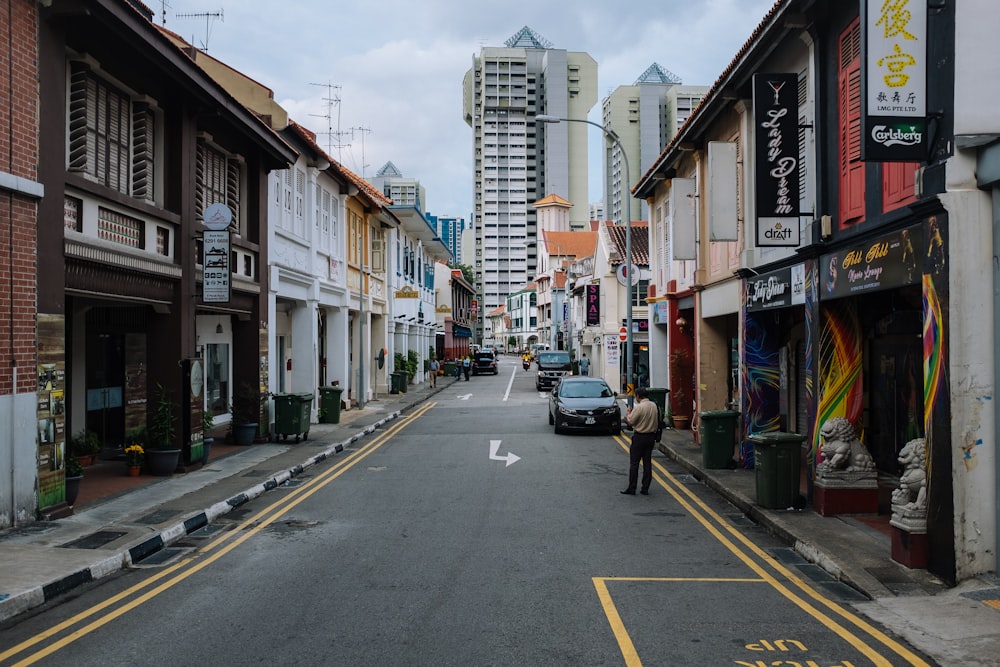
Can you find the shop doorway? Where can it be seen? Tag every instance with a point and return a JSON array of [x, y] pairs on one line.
[[105, 379]]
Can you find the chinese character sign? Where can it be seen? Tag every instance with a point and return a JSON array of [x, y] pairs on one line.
[[895, 76]]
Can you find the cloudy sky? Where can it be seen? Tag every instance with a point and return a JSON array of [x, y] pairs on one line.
[[397, 65]]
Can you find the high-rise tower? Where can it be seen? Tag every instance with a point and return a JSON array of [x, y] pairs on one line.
[[513, 167]]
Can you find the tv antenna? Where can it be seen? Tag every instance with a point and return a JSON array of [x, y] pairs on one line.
[[362, 131], [209, 17], [332, 98]]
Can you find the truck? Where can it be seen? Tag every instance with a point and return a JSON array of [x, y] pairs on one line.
[[553, 365]]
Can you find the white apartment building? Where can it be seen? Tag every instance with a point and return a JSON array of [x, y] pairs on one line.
[[645, 116], [515, 163]]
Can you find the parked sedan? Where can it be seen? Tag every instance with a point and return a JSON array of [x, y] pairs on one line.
[[484, 362], [584, 403]]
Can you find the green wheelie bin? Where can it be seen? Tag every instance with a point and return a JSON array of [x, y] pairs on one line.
[[292, 415], [777, 458], [718, 438], [329, 404]]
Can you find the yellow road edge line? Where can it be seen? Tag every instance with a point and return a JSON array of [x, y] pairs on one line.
[[284, 504], [875, 633], [825, 620]]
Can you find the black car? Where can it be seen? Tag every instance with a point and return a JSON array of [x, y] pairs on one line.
[[584, 403], [484, 362]]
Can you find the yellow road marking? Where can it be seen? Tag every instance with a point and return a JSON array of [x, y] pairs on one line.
[[274, 511], [675, 487]]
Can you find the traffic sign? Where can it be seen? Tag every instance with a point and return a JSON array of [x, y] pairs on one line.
[[623, 334]]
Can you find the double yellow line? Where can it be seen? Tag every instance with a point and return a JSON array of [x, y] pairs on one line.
[[137, 595], [754, 558]]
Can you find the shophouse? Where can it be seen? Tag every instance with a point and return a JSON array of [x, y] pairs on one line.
[[453, 318], [844, 179], [142, 155]]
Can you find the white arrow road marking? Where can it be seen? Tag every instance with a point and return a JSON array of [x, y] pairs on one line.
[[510, 458], [464, 397]]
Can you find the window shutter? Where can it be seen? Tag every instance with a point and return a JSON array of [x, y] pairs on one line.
[[852, 169], [199, 181], [233, 188], [142, 151], [898, 186], [77, 117]]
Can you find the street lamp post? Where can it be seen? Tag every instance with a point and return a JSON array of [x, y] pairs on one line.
[[610, 134]]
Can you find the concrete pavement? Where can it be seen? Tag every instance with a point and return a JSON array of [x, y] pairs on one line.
[[957, 626]]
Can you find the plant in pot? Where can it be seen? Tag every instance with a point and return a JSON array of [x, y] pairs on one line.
[[246, 410], [74, 474], [207, 424], [85, 446], [134, 456], [163, 453], [681, 372]]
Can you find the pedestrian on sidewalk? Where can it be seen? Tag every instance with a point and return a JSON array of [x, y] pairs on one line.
[[435, 367], [584, 365], [466, 367], [644, 420]]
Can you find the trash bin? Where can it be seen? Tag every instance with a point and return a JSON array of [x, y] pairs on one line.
[[777, 457], [329, 405], [449, 369], [292, 415], [399, 380], [718, 438], [658, 395]]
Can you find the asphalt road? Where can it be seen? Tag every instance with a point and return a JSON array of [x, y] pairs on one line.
[[429, 544]]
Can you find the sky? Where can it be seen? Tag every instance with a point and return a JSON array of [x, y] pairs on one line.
[[381, 80]]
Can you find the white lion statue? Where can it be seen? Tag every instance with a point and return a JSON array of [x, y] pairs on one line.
[[842, 450], [912, 491]]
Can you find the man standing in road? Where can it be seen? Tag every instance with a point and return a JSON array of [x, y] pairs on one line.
[[435, 367], [584, 365], [466, 367], [644, 420]]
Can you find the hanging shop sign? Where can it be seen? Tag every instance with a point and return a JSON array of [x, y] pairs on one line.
[[777, 289], [887, 262], [593, 305], [894, 58], [215, 264], [776, 136]]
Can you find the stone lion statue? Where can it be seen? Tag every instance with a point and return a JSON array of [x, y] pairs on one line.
[[841, 449], [912, 491]]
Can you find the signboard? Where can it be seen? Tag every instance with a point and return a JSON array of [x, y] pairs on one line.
[[894, 62], [623, 272], [215, 263], [623, 334], [777, 289], [776, 136], [217, 217], [611, 354], [593, 305], [887, 262]]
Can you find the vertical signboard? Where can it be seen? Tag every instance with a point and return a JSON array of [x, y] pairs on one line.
[[894, 57], [722, 205], [776, 140], [682, 218], [215, 262], [593, 305]]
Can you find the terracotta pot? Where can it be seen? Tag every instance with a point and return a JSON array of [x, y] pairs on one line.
[[133, 471], [681, 422]]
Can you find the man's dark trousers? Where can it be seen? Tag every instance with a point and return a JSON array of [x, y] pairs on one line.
[[641, 450]]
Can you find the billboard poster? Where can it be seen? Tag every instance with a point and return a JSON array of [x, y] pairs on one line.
[[894, 76], [884, 263], [215, 262], [776, 137]]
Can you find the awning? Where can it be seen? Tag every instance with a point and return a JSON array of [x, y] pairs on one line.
[[458, 331]]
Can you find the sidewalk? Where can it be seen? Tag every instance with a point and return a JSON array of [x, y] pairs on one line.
[[956, 626], [119, 520]]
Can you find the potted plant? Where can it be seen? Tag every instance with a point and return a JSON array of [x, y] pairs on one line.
[[207, 424], [163, 453], [85, 446], [74, 474], [246, 414], [134, 456]]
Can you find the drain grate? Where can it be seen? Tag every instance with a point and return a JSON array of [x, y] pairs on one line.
[[742, 521], [787, 555], [209, 530], [94, 540], [687, 479], [159, 516], [163, 556], [841, 592], [291, 483]]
